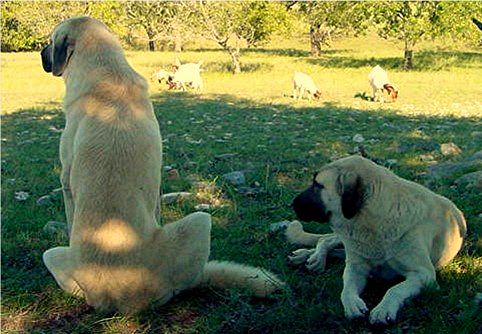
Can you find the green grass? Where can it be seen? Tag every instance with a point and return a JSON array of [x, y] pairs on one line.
[[280, 142]]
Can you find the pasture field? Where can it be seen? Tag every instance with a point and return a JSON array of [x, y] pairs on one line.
[[278, 143]]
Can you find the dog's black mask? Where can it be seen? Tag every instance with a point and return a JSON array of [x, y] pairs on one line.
[[308, 205], [47, 58]]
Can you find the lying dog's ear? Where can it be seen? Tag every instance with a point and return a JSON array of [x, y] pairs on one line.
[[60, 55], [350, 188]]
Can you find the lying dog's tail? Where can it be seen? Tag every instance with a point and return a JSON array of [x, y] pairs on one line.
[[295, 235], [224, 274]]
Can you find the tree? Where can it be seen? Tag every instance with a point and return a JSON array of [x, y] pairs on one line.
[[408, 22], [331, 19], [230, 24]]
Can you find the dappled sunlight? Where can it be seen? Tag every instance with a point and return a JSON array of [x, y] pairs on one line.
[[114, 235]]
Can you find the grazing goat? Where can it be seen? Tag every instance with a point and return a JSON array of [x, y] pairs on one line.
[[378, 79], [302, 82], [188, 75]]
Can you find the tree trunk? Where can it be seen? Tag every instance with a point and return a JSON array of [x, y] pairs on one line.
[[150, 37], [177, 41], [408, 57], [314, 42], [235, 60]]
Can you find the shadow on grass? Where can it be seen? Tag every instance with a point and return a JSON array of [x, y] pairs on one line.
[[278, 146], [426, 60]]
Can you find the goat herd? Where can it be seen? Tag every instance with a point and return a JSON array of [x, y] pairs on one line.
[[187, 75]]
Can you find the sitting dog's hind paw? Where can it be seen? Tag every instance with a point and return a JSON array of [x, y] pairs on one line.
[[317, 261], [300, 256]]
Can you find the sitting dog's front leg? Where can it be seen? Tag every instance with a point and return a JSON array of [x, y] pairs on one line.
[[354, 281], [60, 264]]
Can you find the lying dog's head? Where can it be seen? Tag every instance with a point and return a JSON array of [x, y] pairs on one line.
[[64, 41], [335, 191]]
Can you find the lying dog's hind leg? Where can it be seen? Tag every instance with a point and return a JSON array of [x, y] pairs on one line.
[[61, 266]]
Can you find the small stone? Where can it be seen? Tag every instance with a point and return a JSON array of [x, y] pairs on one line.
[[392, 162], [53, 227], [203, 207], [476, 134], [21, 195], [450, 149], [175, 197], [173, 174], [44, 200], [225, 156], [167, 168], [248, 191], [275, 227], [426, 157], [358, 138], [235, 178]]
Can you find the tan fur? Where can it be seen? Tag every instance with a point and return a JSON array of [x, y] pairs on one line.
[[118, 256], [402, 227]]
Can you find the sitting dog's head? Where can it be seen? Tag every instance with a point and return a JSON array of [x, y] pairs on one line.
[[335, 191], [70, 36]]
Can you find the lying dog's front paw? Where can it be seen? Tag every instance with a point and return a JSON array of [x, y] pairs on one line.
[[383, 314], [316, 262], [300, 256], [354, 307]]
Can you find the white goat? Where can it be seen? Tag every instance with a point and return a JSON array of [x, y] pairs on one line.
[[378, 79], [303, 82], [188, 74]]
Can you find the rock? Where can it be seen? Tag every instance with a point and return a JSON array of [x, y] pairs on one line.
[[21, 195], [235, 178], [275, 227], [44, 200], [447, 169], [175, 197], [471, 180], [203, 207], [450, 149], [172, 174], [475, 156], [476, 134], [391, 162], [478, 299], [420, 145], [53, 228], [358, 138]]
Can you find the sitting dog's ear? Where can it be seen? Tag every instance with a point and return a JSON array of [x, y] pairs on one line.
[[61, 54], [350, 188]]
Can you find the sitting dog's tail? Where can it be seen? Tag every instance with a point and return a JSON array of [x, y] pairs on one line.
[[224, 274], [295, 235]]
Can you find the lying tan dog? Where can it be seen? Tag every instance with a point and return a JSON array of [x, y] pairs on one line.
[[387, 225], [118, 256]]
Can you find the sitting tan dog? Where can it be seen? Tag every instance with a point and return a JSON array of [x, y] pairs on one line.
[[118, 256], [387, 225]]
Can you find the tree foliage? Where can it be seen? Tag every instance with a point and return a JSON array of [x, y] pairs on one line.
[[328, 20]]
